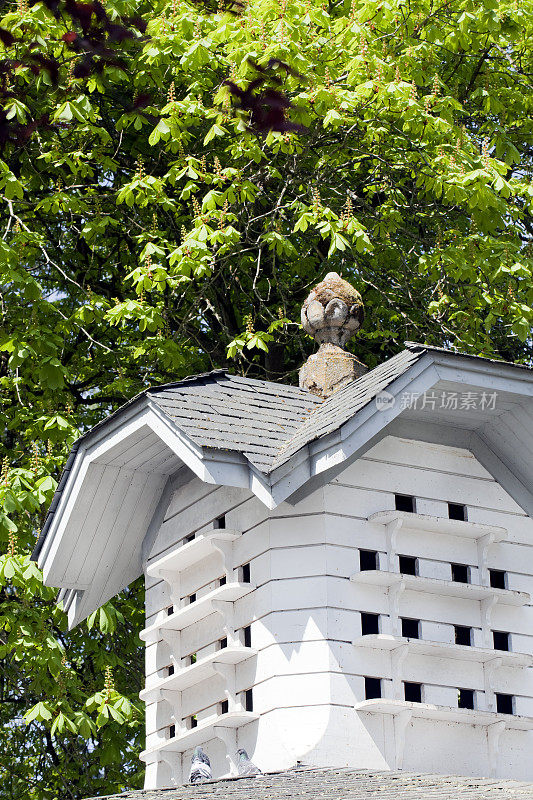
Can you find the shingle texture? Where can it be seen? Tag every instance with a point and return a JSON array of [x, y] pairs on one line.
[[345, 403], [305, 783], [268, 422], [228, 412]]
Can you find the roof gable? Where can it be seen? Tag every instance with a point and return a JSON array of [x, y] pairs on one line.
[[345, 403], [272, 439]]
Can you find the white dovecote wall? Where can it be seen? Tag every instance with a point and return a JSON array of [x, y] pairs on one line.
[[342, 631]]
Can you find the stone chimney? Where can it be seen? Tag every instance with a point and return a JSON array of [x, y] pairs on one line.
[[332, 313]]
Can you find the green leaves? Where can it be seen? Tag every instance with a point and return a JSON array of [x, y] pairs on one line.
[[214, 130], [10, 186], [40, 713], [196, 56], [145, 316], [161, 131], [110, 706], [51, 373], [79, 110], [148, 233], [249, 340], [105, 618], [9, 567]]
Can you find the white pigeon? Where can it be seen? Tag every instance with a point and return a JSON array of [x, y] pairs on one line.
[[200, 767], [246, 767]]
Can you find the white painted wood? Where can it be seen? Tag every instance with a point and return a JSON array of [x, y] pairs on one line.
[[117, 565], [55, 549], [145, 457], [431, 524], [195, 673], [123, 517], [435, 586], [306, 607], [101, 515], [137, 442], [429, 484], [306, 600], [210, 729], [445, 650], [124, 566], [468, 375], [483, 449], [195, 611], [184, 557], [444, 714], [424, 455]]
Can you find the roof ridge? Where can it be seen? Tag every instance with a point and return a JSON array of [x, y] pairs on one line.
[[453, 351], [189, 379], [334, 399]]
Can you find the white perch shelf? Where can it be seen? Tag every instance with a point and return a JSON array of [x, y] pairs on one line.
[[451, 527], [211, 728], [193, 674], [187, 555], [417, 583], [444, 713], [199, 609], [482, 655]]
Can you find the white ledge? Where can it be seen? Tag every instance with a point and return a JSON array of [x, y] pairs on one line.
[[199, 671], [194, 612], [209, 729], [193, 552], [452, 527], [445, 713], [417, 583], [381, 641]]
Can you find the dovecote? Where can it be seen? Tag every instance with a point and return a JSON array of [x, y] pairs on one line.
[[343, 581]]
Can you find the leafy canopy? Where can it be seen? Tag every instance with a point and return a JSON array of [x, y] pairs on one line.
[[148, 233]]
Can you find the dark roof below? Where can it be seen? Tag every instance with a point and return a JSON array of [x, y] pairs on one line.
[[307, 783]]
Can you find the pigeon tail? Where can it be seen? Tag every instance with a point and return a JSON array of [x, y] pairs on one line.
[[200, 772]]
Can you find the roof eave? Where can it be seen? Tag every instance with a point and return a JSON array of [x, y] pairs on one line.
[[369, 424]]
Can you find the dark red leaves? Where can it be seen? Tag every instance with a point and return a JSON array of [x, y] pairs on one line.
[[142, 100], [83, 68], [51, 5], [273, 64], [92, 35], [137, 22], [6, 37], [49, 64], [82, 13], [268, 108], [117, 33]]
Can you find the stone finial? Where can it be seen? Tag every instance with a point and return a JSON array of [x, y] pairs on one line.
[[332, 313]]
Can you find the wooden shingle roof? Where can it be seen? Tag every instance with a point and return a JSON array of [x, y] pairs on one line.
[[307, 783]]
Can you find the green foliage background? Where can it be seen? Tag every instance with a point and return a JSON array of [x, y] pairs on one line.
[[141, 243]]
